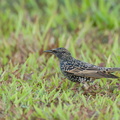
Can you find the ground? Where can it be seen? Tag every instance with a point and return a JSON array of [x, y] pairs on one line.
[[31, 84]]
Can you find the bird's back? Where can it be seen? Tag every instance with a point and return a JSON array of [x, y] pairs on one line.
[[73, 63]]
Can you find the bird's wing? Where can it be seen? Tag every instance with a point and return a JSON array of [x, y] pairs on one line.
[[91, 72]]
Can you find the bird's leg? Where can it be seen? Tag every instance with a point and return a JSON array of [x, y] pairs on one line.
[[88, 84], [85, 86]]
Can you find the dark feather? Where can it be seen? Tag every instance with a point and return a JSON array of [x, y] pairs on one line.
[[94, 73]]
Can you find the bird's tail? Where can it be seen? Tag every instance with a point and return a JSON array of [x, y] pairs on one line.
[[113, 69]]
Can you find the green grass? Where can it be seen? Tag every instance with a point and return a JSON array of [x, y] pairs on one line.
[[31, 84]]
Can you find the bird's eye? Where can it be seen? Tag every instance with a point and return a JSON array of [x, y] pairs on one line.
[[54, 51]]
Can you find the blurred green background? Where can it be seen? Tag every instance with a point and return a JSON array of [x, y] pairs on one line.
[[46, 24], [30, 83]]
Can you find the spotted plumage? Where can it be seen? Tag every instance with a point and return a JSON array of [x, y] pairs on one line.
[[79, 71]]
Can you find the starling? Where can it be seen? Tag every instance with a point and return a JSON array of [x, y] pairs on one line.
[[79, 71]]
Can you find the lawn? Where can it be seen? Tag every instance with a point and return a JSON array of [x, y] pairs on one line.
[[32, 86]]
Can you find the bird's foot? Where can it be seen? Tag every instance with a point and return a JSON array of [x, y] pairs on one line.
[[85, 86]]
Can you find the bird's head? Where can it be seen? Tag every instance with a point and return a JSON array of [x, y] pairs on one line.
[[61, 53]]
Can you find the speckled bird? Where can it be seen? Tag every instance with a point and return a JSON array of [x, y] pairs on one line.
[[79, 71]]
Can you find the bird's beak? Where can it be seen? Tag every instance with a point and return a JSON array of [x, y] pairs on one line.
[[48, 51]]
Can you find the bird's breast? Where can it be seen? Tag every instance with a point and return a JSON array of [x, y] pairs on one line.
[[65, 66]]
